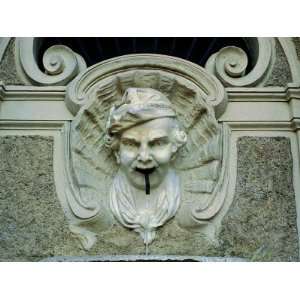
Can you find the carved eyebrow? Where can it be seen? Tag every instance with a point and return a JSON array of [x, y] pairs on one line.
[[159, 138], [129, 139]]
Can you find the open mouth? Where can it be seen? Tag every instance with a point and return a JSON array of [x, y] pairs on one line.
[[146, 172]]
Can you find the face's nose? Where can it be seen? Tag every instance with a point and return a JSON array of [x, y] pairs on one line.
[[144, 155]]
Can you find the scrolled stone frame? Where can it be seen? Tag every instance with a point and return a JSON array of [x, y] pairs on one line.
[[96, 82], [60, 62], [212, 89], [205, 214], [230, 63]]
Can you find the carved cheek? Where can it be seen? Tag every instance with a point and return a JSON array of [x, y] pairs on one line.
[[163, 154], [127, 156]]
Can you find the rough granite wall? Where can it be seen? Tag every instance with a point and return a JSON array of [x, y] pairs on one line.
[[260, 224], [296, 41], [281, 74], [32, 225], [8, 73]]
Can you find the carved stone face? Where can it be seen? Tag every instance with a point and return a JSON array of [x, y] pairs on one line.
[[147, 148]]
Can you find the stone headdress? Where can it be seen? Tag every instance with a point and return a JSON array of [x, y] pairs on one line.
[[138, 106]]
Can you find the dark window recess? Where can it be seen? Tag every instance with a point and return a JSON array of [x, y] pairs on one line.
[[196, 50]]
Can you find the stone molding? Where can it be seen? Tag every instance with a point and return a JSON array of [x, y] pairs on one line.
[[284, 100]]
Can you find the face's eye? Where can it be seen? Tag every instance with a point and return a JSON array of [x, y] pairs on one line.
[[129, 143], [158, 142]]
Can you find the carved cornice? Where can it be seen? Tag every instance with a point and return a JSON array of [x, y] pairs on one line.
[[289, 95], [264, 94], [234, 94], [295, 124], [31, 93]]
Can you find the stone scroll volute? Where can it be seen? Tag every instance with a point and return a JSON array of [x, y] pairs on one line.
[[150, 88]]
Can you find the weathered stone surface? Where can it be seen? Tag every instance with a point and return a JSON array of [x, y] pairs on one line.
[[8, 72], [32, 224], [259, 226], [281, 74], [170, 240], [261, 223], [151, 258], [296, 41]]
